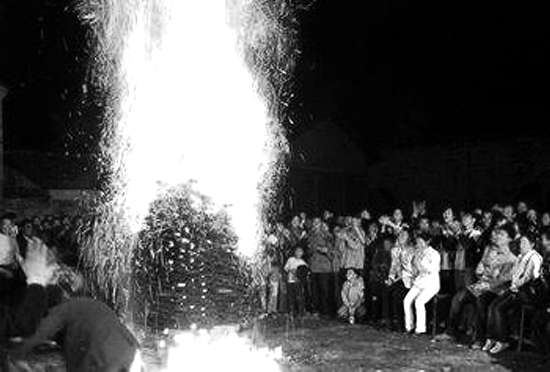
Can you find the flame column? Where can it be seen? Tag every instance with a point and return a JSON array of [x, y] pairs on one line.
[[3, 93]]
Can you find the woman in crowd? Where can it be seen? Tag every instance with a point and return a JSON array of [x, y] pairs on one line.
[[353, 298], [526, 269], [425, 284], [399, 279]]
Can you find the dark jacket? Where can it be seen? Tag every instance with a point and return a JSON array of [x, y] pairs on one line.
[[93, 337], [23, 319], [320, 262], [380, 267], [472, 250]]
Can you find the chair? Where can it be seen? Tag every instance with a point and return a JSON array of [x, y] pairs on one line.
[[435, 302]]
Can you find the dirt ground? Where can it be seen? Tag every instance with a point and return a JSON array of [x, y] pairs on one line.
[[332, 346], [317, 345]]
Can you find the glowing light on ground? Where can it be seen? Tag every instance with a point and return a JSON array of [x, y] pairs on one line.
[[191, 112], [211, 351]]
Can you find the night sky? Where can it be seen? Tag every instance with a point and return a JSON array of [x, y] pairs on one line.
[[390, 73]]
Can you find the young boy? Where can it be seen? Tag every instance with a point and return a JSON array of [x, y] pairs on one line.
[[353, 297], [295, 287]]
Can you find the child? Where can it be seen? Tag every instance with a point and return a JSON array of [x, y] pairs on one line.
[[295, 287], [353, 297], [274, 279]]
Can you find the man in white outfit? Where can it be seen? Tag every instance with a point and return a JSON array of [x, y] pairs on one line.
[[426, 263]]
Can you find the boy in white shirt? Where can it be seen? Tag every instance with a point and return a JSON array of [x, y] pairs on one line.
[[296, 300]]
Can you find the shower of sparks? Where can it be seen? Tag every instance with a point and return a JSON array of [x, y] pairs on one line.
[[185, 106], [190, 111]]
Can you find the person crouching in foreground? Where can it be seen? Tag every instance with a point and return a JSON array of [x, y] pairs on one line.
[[353, 297], [93, 339]]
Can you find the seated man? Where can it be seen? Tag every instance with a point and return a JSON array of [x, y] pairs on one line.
[[524, 272], [425, 284], [494, 272], [353, 297]]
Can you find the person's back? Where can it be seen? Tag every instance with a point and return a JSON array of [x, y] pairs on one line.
[[93, 337]]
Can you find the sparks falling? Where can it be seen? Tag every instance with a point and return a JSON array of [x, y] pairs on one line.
[[184, 106], [191, 112]]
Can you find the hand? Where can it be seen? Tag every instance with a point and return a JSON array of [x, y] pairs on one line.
[[384, 220], [37, 266], [416, 211]]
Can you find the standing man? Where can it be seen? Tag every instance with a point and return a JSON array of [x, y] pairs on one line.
[[320, 251]]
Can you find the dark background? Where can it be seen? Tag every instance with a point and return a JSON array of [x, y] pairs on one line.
[[391, 74]]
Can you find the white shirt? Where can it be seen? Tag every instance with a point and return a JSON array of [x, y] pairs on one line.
[[527, 268], [291, 266], [7, 250], [426, 264]]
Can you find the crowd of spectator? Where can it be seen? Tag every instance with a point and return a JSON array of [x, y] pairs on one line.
[[386, 271]]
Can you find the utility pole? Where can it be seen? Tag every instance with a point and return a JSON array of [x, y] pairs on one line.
[[3, 93]]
